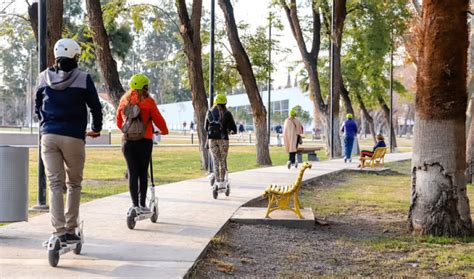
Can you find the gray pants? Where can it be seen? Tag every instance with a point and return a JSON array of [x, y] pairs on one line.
[[63, 158], [219, 151]]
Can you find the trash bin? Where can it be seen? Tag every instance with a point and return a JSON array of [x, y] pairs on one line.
[[13, 184]]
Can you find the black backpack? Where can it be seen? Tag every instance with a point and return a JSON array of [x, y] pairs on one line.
[[215, 129]]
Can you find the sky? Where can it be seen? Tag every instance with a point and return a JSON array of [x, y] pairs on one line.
[[253, 12]]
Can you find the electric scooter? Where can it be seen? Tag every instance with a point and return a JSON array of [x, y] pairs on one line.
[[134, 215], [224, 189], [212, 178], [56, 248]]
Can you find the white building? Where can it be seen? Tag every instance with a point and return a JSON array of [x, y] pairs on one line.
[[282, 101]]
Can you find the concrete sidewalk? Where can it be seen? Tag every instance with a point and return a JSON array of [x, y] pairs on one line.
[[189, 218]]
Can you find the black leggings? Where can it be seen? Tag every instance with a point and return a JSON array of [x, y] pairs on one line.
[[138, 154], [292, 157]]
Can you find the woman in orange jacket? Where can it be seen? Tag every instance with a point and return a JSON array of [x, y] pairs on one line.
[[137, 150]]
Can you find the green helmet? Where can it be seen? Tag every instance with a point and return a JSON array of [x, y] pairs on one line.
[[138, 81], [293, 112], [349, 116], [220, 99]]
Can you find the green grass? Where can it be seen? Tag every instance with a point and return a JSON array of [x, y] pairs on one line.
[[360, 192], [389, 196], [446, 255]]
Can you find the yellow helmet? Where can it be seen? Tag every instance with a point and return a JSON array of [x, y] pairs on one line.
[[220, 99], [138, 81], [293, 112], [349, 116]]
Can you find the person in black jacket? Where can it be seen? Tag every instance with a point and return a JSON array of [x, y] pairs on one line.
[[219, 123], [63, 95]]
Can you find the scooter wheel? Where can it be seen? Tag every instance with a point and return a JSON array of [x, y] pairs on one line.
[[53, 255], [131, 220], [227, 190], [78, 248], [215, 193], [154, 217]]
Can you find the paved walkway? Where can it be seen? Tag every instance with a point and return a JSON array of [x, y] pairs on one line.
[[189, 218]]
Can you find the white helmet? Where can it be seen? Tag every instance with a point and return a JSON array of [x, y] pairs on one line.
[[66, 48]]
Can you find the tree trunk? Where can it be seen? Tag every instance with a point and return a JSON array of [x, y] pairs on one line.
[[386, 113], [439, 203], [347, 101], [310, 60], [190, 31], [340, 17], [470, 150], [54, 27], [33, 16], [107, 64], [470, 110], [245, 70], [367, 116]]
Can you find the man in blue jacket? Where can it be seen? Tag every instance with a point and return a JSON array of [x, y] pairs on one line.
[[63, 95], [350, 132]]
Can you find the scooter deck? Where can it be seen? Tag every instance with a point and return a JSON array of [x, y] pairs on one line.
[[65, 247], [144, 216]]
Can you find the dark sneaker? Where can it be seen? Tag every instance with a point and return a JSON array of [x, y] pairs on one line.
[[62, 238], [72, 238], [288, 164]]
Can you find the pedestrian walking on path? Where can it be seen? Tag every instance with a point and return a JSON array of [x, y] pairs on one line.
[[63, 95], [136, 114], [349, 128], [292, 131], [219, 123]]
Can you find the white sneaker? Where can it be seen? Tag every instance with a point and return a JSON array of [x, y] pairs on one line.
[[288, 164], [211, 176]]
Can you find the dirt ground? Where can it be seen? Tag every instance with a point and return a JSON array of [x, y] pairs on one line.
[[358, 242], [336, 249]]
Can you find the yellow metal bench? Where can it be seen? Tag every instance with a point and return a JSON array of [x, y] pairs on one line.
[[279, 197], [377, 159]]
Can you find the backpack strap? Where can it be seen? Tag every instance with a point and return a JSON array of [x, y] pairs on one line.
[[213, 117]]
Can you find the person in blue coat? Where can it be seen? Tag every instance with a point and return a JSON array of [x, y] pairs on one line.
[[349, 128], [63, 97]]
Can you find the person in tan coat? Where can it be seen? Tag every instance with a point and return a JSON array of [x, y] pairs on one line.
[[292, 131]]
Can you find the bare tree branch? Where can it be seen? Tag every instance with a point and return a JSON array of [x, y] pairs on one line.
[[6, 7], [14, 15]]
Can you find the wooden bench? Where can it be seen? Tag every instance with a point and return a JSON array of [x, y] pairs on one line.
[[280, 197], [311, 151], [377, 159]]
